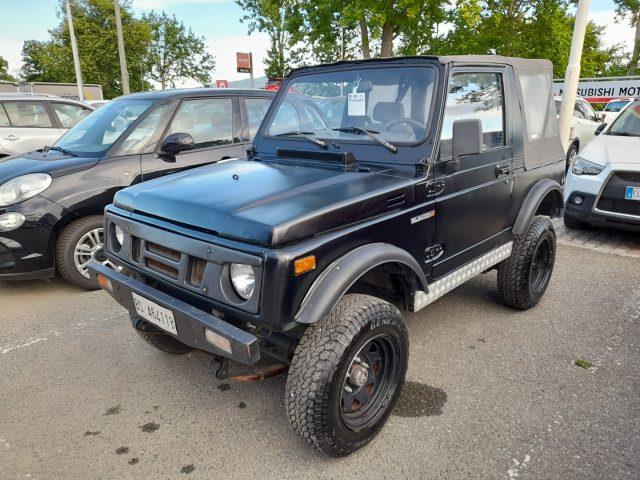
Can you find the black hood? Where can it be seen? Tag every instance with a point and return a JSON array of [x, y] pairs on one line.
[[266, 202], [53, 162]]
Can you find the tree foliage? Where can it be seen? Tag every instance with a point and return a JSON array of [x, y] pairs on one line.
[[175, 52], [4, 74], [631, 9]]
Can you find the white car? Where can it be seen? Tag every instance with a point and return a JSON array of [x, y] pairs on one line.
[[583, 126], [613, 108], [603, 186], [30, 122]]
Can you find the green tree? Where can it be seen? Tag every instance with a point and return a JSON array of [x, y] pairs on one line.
[[175, 52], [94, 23], [4, 74], [631, 8]]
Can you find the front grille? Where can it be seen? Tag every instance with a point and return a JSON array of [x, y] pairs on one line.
[[196, 271], [162, 268], [632, 177], [626, 207], [165, 252]]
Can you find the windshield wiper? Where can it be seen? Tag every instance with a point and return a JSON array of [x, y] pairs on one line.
[[60, 149], [370, 133], [317, 141]]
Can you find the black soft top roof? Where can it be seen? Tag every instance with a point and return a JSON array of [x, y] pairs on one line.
[[197, 92]]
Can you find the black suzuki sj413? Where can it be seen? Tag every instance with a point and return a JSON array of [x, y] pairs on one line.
[[373, 187]]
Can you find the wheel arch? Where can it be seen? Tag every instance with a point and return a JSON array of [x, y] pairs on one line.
[[544, 198], [350, 272]]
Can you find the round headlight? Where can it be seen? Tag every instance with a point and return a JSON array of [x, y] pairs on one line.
[[119, 235], [243, 279], [23, 188], [10, 221]]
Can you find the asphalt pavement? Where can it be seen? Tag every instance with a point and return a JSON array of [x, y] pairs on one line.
[[491, 392]]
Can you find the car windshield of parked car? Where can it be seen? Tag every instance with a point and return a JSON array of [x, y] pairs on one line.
[[98, 131], [391, 104], [628, 122], [615, 106]]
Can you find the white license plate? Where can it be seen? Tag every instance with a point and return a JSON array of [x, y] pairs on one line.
[[632, 193], [154, 313]]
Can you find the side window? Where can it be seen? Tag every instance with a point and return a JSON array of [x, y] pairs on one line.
[[540, 108], [286, 120], [587, 111], [144, 137], [4, 119], [475, 96], [28, 114], [256, 110], [69, 114], [208, 120], [577, 111]]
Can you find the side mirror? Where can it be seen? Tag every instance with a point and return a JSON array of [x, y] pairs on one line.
[[176, 143], [600, 128], [466, 140]]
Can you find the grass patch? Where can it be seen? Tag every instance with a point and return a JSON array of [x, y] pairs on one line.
[[583, 363]]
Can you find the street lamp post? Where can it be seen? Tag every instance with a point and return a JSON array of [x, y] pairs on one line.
[[74, 51], [123, 62], [572, 75]]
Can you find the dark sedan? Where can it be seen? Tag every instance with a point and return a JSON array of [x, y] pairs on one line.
[[52, 200]]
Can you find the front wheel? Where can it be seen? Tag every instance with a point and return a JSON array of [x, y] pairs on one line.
[[346, 375], [524, 276]]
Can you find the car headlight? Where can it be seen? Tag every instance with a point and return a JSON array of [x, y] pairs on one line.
[[243, 279], [584, 167], [23, 188]]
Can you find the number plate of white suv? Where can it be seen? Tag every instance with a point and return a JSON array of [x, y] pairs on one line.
[[154, 313], [632, 193]]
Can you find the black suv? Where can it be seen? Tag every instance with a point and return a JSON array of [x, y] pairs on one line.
[[435, 169], [52, 200]]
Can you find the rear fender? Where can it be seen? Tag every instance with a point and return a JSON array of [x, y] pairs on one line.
[[545, 198]]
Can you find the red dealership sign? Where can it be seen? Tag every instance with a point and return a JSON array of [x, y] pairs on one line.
[[244, 62], [222, 84]]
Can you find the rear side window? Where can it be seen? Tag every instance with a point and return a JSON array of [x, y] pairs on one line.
[[209, 121], [539, 105], [475, 96], [69, 114], [28, 114], [4, 119], [256, 110]]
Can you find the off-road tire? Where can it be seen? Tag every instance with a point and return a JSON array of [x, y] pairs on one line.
[[315, 381], [65, 246], [514, 280], [574, 223], [157, 338]]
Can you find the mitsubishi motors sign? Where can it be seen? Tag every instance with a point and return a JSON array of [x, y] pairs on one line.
[[601, 90]]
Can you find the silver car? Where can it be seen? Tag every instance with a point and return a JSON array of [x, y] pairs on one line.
[[31, 121]]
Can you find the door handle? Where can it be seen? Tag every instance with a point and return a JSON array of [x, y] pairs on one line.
[[503, 170], [11, 138]]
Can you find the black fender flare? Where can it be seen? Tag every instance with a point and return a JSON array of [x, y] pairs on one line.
[[532, 202], [338, 277]]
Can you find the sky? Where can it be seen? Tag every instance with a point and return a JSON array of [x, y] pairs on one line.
[[217, 20]]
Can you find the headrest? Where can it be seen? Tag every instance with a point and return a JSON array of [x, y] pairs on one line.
[[385, 112]]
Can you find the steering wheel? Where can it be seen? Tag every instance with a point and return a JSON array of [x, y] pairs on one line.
[[418, 128]]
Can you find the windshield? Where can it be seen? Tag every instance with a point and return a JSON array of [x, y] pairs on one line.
[[615, 106], [390, 104], [98, 131], [628, 122]]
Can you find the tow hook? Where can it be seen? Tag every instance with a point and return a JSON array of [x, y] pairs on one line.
[[220, 368]]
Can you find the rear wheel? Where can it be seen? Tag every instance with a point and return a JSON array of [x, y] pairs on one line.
[[158, 338], [524, 276], [346, 375]]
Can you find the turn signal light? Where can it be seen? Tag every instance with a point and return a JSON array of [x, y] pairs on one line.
[[104, 282], [304, 264]]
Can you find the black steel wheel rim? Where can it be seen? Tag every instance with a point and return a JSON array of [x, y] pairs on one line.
[[370, 382], [541, 265]]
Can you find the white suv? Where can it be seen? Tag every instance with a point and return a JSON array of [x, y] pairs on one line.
[[29, 122], [603, 186], [583, 126]]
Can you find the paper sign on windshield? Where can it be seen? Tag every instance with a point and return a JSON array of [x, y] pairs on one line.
[[356, 105]]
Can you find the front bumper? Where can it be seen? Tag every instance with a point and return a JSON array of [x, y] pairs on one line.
[[191, 323], [598, 218]]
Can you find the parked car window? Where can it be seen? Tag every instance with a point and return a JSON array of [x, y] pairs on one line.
[[256, 110], [475, 96], [27, 114], [587, 111], [69, 114], [97, 132], [286, 120], [208, 120], [145, 136], [615, 106], [4, 119], [538, 111], [577, 112]]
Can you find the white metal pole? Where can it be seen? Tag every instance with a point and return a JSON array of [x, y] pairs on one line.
[[74, 50], [251, 72], [123, 62], [572, 75]]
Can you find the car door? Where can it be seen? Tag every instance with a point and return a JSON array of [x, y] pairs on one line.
[[214, 125], [473, 197], [588, 122], [30, 127]]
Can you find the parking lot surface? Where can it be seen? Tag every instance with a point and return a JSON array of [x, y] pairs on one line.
[[491, 392]]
